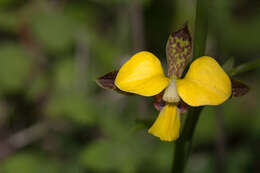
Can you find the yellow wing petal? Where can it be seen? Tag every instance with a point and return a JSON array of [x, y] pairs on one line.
[[167, 125], [142, 74], [205, 83]]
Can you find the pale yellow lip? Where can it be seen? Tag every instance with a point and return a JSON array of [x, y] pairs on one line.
[[170, 93], [167, 125]]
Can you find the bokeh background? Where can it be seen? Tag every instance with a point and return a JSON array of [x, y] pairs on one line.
[[54, 118]]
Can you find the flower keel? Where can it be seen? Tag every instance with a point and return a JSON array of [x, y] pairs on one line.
[[167, 125]]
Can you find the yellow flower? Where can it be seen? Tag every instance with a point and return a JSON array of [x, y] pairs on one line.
[[205, 83]]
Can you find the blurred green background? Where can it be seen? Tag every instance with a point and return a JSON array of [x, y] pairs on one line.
[[54, 118]]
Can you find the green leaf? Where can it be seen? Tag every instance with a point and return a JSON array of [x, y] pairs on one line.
[[9, 21], [178, 51], [65, 74], [72, 106], [240, 159], [15, 66], [38, 87], [112, 156], [228, 65], [29, 163], [55, 31], [6, 3], [252, 65], [98, 156]]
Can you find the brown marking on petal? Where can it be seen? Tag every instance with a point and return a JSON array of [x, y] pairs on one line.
[[159, 103], [183, 107], [178, 51]]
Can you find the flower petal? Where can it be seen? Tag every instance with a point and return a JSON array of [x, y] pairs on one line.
[[167, 125], [205, 83], [142, 74]]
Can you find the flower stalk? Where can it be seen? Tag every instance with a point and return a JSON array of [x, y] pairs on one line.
[[182, 147]]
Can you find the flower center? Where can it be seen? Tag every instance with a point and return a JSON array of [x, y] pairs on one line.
[[170, 93]]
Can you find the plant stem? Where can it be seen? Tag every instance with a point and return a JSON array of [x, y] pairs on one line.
[[183, 145], [245, 67], [201, 29]]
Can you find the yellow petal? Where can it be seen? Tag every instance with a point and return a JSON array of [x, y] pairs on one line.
[[205, 83], [167, 125], [142, 74]]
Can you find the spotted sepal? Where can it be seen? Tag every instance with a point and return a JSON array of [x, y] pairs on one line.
[[178, 51]]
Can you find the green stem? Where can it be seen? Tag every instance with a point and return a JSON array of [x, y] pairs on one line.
[[183, 145], [245, 67], [201, 29]]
